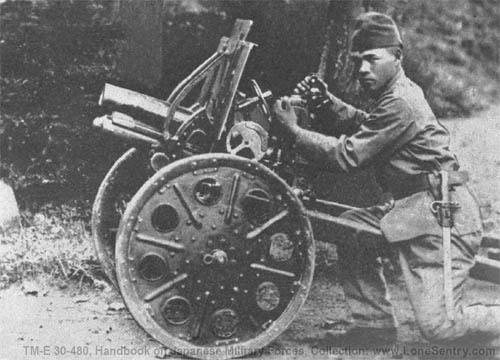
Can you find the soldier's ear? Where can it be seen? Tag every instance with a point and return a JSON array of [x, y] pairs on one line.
[[398, 54]]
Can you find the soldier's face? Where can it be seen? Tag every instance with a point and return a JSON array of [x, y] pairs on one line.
[[376, 67]]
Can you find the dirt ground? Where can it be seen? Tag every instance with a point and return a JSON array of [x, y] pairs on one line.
[[77, 323]]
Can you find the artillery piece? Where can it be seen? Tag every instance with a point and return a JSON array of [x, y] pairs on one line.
[[200, 225]]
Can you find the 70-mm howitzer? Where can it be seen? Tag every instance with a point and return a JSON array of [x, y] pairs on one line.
[[201, 224]]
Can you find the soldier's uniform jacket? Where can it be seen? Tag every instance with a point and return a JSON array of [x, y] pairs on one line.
[[401, 138]]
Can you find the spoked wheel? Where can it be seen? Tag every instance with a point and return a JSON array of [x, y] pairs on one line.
[[121, 182], [215, 256]]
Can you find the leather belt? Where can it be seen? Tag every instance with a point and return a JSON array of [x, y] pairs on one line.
[[426, 181]]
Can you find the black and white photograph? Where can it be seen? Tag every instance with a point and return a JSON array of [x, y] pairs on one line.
[[254, 179]]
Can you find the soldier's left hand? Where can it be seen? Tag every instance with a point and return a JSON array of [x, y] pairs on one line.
[[285, 114]]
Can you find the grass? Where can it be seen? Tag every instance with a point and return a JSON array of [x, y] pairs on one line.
[[53, 242]]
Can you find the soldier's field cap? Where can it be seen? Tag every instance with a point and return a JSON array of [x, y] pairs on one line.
[[373, 30]]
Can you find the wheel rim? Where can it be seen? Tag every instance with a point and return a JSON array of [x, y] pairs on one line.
[[221, 277]]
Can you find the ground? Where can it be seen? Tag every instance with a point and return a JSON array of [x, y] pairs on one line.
[[40, 321]]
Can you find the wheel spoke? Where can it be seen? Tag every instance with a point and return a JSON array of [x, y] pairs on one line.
[[168, 244], [232, 198], [165, 287], [259, 230], [186, 207], [257, 266]]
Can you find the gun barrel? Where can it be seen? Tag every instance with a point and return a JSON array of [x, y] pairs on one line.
[[118, 96], [124, 131]]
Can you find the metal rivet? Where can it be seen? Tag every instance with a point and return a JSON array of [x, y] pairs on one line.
[[188, 222], [201, 214], [214, 226], [236, 289], [193, 238], [222, 211], [221, 287], [207, 293]]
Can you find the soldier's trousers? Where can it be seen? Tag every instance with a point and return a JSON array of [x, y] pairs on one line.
[[421, 261]]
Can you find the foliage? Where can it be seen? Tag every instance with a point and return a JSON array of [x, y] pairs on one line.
[[452, 51], [56, 56], [54, 242]]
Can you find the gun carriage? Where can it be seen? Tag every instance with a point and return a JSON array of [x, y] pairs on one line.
[[203, 225]]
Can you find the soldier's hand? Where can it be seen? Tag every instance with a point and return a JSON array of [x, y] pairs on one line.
[[285, 115], [314, 91]]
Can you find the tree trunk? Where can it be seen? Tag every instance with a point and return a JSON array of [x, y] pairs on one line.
[[141, 57], [334, 65]]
